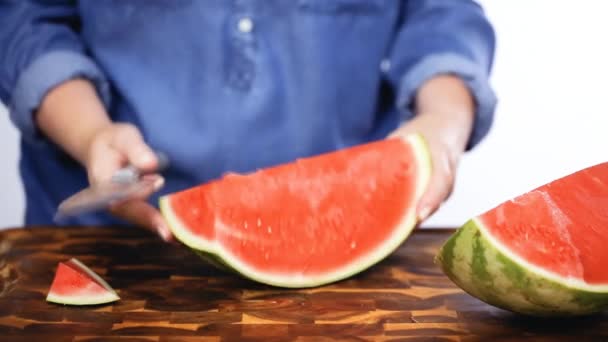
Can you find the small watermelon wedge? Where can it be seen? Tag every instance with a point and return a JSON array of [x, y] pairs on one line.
[[310, 222], [76, 284], [542, 253]]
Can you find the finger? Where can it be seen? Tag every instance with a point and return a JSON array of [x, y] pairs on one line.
[[439, 189], [413, 126], [146, 187], [140, 213], [401, 132], [103, 162], [129, 141], [143, 215]]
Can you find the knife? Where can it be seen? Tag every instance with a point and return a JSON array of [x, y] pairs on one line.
[[125, 183]]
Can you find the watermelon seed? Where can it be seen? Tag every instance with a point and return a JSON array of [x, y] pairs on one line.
[[266, 256], [353, 245], [259, 222], [269, 230], [245, 224]]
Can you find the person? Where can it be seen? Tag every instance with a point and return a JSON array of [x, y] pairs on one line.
[[233, 86]]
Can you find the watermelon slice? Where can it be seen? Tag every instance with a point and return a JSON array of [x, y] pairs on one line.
[[310, 222], [542, 253], [76, 284]]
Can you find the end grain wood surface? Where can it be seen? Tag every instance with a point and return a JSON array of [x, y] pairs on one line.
[[169, 294]]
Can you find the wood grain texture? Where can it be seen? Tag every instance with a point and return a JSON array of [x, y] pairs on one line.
[[169, 294]]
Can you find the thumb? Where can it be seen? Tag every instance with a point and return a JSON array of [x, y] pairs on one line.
[[439, 188]]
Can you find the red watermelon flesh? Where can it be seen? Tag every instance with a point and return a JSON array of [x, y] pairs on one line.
[[561, 227], [76, 284], [309, 222]]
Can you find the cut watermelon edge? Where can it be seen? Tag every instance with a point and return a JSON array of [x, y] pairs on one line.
[[82, 300], [401, 233], [480, 268], [108, 297], [475, 265], [572, 283]]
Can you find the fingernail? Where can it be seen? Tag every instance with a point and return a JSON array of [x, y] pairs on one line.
[[424, 213], [163, 231], [146, 158], [158, 183], [164, 234]]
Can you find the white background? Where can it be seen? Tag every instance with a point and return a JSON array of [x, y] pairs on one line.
[[550, 76]]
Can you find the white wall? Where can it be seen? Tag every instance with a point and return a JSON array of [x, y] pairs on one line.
[[11, 193], [550, 75]]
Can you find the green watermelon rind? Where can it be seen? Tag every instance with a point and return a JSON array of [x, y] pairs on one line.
[[220, 255], [214, 260], [487, 270], [108, 297]]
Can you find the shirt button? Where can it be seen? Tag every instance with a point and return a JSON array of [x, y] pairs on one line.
[[385, 65], [245, 25]]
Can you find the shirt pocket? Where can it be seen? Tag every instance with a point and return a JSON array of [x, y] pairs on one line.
[[110, 17], [337, 7], [111, 11]]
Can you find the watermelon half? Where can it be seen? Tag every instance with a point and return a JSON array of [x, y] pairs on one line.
[[76, 284], [543, 253], [307, 223]]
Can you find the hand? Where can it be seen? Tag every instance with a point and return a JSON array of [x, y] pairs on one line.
[[73, 116], [444, 117], [112, 148]]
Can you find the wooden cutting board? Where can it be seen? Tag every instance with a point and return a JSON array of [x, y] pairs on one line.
[[169, 294]]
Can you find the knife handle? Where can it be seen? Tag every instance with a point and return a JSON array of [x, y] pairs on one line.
[[130, 174]]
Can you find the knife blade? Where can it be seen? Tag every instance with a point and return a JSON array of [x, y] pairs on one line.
[[126, 183]]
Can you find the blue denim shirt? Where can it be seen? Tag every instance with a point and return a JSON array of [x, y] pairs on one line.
[[233, 85]]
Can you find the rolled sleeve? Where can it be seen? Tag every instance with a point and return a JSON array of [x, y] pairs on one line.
[[43, 74], [469, 72]]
